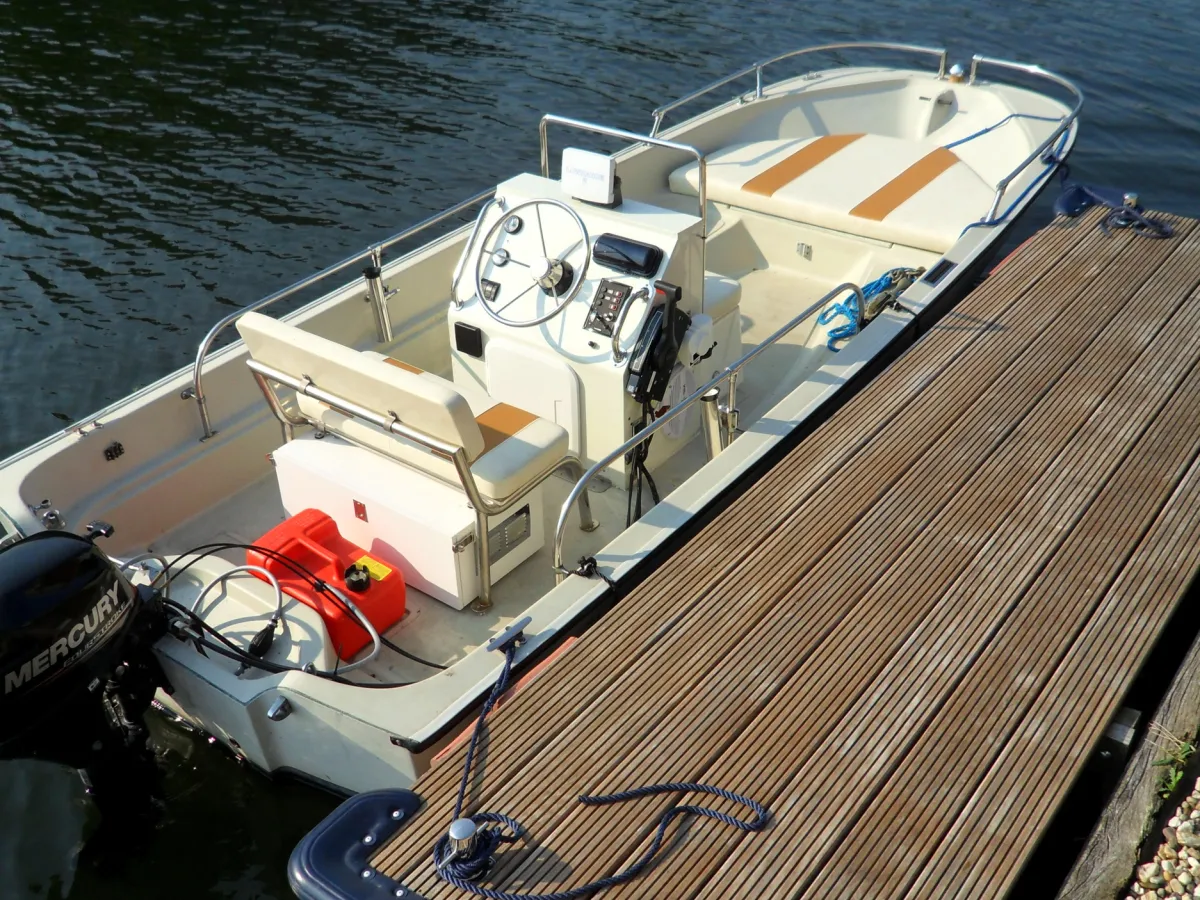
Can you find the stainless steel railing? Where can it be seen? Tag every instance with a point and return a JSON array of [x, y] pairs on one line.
[[633, 137], [757, 69], [730, 374], [1059, 131], [374, 253]]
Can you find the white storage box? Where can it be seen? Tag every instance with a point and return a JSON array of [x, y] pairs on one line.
[[419, 524]]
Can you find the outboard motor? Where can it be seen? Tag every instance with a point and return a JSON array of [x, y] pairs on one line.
[[76, 671]]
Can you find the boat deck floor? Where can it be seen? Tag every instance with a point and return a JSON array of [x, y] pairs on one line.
[[906, 638], [435, 631]]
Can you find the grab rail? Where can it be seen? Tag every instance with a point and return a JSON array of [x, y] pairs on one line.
[[1026, 68], [1063, 125], [634, 137], [372, 252], [591, 127], [729, 373], [757, 69]]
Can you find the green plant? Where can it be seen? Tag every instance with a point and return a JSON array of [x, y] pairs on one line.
[[1178, 752]]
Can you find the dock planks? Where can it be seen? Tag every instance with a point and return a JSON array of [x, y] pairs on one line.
[[904, 639]]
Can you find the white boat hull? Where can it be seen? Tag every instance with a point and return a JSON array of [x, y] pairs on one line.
[[171, 490]]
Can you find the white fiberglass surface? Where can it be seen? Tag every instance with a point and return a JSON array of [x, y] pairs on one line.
[[436, 632]]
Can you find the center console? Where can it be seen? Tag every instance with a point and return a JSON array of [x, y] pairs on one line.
[[564, 368]]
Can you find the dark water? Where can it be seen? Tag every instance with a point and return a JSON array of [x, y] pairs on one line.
[[166, 160]]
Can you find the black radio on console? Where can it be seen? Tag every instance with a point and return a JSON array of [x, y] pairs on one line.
[[628, 256]]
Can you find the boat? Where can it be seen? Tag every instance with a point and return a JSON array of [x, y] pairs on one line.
[[335, 520]]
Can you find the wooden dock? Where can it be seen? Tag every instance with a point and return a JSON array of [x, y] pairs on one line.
[[907, 638]]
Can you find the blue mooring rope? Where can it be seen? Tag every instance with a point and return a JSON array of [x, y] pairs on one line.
[[849, 309], [463, 872], [1132, 217], [982, 131]]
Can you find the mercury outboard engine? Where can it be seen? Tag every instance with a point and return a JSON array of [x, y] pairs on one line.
[[76, 668]]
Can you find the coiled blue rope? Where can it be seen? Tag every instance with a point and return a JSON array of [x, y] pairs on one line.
[[1132, 217], [464, 871], [1123, 209], [849, 309]]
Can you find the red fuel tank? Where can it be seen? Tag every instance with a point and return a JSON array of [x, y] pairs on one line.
[[311, 539]]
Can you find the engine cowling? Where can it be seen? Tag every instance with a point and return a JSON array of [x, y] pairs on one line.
[[65, 612]]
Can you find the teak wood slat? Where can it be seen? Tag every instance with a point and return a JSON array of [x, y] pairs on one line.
[[906, 638]]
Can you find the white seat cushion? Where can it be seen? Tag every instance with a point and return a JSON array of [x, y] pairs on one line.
[[502, 470], [909, 193], [517, 446], [507, 447]]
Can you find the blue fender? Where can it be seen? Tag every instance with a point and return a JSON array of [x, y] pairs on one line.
[[331, 861]]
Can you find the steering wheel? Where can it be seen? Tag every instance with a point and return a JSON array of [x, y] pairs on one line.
[[538, 260]]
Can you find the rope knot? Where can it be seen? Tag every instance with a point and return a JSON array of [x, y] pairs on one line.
[[473, 861], [589, 568]]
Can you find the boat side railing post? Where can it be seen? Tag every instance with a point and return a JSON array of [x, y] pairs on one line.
[[378, 295], [544, 145], [710, 419], [729, 412], [374, 252], [1060, 131], [197, 389], [703, 393]]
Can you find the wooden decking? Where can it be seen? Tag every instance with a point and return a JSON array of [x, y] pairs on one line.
[[907, 637]]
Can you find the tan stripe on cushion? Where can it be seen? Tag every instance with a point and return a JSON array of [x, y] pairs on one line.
[[500, 423], [905, 185], [403, 365], [792, 167]]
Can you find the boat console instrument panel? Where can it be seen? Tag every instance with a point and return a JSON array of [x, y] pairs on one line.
[[606, 306], [554, 295]]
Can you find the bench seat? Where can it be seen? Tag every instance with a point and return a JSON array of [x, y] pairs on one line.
[[911, 193], [508, 448], [516, 444]]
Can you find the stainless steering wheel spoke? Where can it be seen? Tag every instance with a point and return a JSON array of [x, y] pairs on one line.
[[518, 297], [558, 279], [501, 257], [537, 211]]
